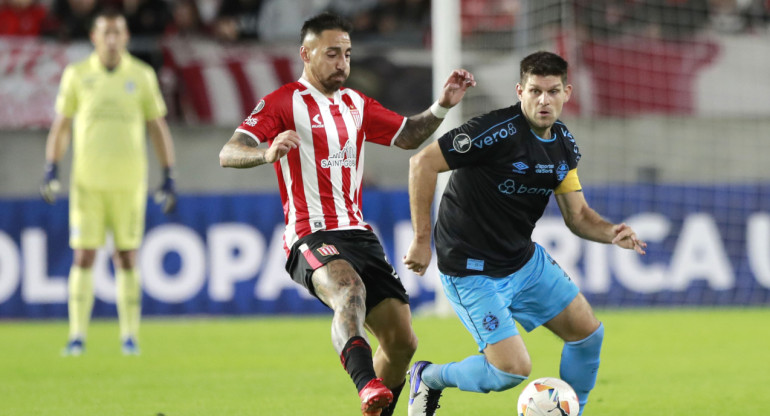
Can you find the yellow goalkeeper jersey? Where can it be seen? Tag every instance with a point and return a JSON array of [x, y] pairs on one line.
[[110, 110]]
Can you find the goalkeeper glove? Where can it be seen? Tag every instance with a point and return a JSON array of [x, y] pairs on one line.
[[165, 196], [50, 186]]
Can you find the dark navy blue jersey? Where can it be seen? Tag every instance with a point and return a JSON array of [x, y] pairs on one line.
[[502, 178]]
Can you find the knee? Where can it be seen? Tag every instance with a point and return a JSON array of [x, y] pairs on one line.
[[593, 340], [125, 259], [401, 346], [501, 380], [521, 365], [84, 258], [409, 345], [351, 293]]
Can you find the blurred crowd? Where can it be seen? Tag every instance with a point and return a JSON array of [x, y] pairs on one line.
[[394, 20], [670, 19], [224, 20]]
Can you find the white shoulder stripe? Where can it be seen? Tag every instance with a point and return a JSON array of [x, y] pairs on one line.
[[250, 134], [393, 140]]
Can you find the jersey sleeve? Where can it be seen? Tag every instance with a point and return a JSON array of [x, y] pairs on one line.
[[573, 151], [266, 121], [153, 105], [570, 183], [480, 139], [381, 125], [67, 99]]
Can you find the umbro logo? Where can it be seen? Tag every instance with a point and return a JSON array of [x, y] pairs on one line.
[[317, 123], [520, 167]]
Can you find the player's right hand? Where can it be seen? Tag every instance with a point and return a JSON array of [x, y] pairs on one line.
[[418, 256], [50, 186], [281, 145], [165, 196]]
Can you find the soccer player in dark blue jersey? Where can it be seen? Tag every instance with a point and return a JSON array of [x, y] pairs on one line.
[[505, 166]]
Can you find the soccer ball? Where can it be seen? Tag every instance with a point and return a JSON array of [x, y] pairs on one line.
[[548, 396]]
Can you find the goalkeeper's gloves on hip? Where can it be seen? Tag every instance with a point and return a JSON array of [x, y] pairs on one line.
[[165, 196], [50, 186]]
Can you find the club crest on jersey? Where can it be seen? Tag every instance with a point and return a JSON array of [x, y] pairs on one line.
[[327, 250], [562, 170], [462, 143], [130, 86], [317, 122], [356, 116]]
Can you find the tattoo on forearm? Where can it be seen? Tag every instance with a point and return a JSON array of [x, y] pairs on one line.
[[417, 129], [242, 152], [243, 159]]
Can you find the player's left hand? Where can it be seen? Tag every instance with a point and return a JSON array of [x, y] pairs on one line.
[[626, 237], [165, 196], [455, 86]]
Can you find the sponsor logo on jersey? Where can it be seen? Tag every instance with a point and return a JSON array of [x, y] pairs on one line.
[[251, 121], [562, 170], [508, 187], [520, 168], [327, 250], [488, 138], [345, 157], [317, 123], [462, 143], [543, 168]]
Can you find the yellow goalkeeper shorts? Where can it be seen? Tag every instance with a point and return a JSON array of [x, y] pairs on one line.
[[94, 212]]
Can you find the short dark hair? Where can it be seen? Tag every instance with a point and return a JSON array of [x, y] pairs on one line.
[[543, 63], [108, 13], [324, 21]]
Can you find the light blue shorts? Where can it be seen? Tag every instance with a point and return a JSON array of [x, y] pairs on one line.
[[531, 296]]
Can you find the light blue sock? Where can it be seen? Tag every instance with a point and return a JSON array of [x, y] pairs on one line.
[[471, 374], [580, 363]]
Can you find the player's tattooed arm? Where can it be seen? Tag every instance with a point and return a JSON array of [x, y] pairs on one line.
[[417, 129], [241, 150]]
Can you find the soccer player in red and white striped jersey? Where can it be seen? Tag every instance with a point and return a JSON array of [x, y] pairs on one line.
[[315, 131]]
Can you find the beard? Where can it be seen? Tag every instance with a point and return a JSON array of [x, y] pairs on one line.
[[334, 82]]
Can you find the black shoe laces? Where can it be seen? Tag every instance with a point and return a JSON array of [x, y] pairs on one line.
[[431, 402]]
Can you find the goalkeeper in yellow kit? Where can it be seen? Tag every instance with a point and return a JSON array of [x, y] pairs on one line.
[[111, 100]]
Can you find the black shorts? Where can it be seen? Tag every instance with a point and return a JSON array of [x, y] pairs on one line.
[[361, 249]]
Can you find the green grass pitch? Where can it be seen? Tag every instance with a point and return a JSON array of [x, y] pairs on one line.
[[655, 362]]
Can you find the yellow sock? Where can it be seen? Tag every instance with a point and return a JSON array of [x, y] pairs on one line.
[[129, 299], [81, 301]]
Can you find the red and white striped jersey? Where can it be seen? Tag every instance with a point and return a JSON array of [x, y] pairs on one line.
[[320, 181]]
